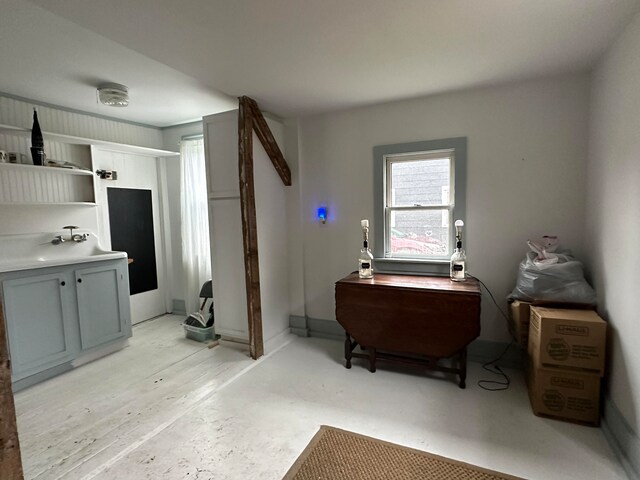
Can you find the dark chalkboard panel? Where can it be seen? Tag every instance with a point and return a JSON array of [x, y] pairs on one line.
[[131, 223]]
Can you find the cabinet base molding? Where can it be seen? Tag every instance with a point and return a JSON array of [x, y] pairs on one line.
[[100, 352], [41, 376]]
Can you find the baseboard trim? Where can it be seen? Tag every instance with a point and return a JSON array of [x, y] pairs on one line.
[[322, 328], [298, 325], [624, 441], [481, 351], [179, 307]]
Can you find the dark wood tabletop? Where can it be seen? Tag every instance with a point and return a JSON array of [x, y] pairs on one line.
[[470, 285]]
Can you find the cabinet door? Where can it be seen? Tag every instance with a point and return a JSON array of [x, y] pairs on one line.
[[102, 308], [38, 322]]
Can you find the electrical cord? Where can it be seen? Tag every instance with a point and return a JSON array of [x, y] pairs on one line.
[[491, 367]]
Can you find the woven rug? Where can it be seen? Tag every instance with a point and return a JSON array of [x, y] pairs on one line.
[[335, 454]]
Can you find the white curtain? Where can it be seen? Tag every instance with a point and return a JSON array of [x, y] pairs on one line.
[[196, 256]]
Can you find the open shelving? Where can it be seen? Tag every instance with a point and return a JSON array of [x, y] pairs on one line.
[[23, 184], [59, 137]]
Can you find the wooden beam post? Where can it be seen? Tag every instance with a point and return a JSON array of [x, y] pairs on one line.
[[250, 119], [249, 227], [10, 461], [268, 142]]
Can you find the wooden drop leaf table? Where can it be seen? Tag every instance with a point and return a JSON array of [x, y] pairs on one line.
[[409, 319]]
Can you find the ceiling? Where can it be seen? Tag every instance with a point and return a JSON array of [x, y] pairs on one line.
[[295, 57]]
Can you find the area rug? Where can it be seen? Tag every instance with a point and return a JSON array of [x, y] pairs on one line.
[[335, 454]]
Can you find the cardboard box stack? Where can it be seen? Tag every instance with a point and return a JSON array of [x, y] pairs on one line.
[[519, 322], [566, 362]]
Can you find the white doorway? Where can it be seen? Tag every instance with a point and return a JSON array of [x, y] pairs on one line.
[[136, 175]]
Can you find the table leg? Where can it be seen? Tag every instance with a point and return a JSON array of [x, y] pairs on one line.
[[372, 359], [463, 368], [347, 350]]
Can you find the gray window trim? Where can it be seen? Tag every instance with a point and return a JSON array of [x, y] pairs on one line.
[[408, 265]]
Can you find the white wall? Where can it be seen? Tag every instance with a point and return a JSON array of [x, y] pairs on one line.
[[171, 138], [273, 234], [527, 147], [295, 245], [613, 203]]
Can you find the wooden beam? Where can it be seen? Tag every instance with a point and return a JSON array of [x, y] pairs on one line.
[[10, 461], [249, 227], [250, 119], [268, 142]]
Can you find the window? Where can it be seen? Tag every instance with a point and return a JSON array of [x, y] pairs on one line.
[[419, 193]]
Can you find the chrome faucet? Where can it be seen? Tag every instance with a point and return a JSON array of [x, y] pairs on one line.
[[78, 237], [71, 228], [58, 240]]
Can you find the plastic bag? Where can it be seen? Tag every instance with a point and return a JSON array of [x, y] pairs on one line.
[[561, 282]]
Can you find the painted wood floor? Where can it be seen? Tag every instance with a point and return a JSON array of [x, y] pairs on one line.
[[72, 424], [167, 408]]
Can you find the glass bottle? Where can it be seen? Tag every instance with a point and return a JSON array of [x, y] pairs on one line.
[[37, 142], [365, 262], [36, 133], [458, 270]]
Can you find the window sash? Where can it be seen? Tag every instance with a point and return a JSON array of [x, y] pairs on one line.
[[388, 207], [387, 231]]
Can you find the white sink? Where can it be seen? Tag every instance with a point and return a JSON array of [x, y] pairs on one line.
[[26, 251]]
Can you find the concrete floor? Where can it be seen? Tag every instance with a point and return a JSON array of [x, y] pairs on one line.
[[166, 407]]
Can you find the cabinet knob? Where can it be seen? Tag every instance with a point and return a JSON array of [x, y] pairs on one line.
[[79, 280], [63, 283]]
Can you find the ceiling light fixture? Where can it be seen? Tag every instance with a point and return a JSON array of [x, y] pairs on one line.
[[113, 95]]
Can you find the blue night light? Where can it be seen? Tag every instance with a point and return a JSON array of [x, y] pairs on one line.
[[321, 214]]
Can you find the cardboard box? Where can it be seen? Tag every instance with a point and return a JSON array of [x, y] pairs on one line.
[[564, 395], [519, 314], [567, 339], [519, 322]]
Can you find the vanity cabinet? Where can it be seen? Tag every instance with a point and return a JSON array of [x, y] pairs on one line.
[[56, 315], [40, 327], [102, 305]]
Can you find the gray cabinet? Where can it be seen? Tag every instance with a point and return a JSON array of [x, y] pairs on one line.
[[39, 322], [102, 296], [56, 315]]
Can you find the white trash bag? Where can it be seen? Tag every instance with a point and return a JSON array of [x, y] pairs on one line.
[[549, 275]]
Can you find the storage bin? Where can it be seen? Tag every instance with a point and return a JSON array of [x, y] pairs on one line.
[[199, 334]]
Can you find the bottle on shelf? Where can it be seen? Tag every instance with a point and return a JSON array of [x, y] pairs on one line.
[[365, 261], [458, 263], [37, 142]]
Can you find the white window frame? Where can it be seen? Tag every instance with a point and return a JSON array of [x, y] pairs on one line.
[[392, 159], [412, 264]]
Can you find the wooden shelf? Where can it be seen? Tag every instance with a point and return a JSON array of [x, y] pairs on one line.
[[120, 147]]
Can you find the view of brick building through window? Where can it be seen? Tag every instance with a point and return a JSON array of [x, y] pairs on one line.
[[421, 191]]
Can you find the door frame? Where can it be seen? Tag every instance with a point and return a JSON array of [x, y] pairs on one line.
[[161, 230]]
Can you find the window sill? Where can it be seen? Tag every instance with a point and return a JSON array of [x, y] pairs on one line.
[[411, 265]]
